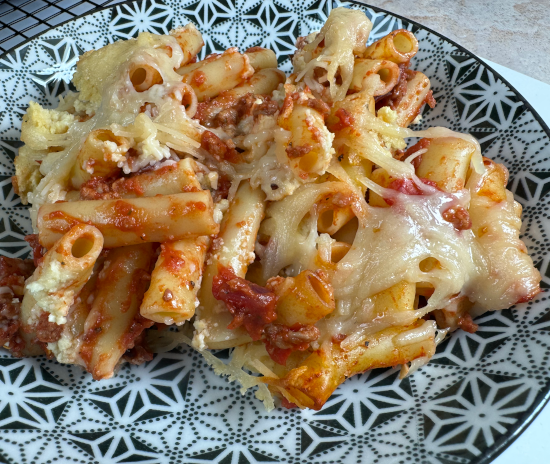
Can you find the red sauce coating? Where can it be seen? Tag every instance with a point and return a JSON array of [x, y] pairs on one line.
[[430, 100], [320, 106], [98, 188], [251, 305], [172, 259], [466, 323], [89, 338], [227, 112], [38, 251], [281, 340], [458, 217], [46, 331], [66, 223], [134, 335], [288, 105], [345, 119], [255, 49], [198, 79], [9, 319], [297, 151], [420, 145], [529, 296], [224, 184], [218, 148], [112, 188], [393, 98], [408, 186], [13, 273], [125, 216]]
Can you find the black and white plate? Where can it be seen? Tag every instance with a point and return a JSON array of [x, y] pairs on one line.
[[476, 395]]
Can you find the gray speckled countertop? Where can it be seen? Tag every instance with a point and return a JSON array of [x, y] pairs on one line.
[[513, 33]]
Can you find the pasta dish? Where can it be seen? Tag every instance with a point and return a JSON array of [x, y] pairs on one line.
[[296, 220]]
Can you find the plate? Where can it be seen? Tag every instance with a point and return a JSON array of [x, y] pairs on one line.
[[475, 396]]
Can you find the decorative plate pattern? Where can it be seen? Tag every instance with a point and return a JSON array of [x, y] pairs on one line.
[[475, 396]]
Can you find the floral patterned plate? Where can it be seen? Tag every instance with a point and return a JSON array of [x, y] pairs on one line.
[[476, 395]]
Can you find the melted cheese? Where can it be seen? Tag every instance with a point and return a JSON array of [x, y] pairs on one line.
[[345, 35], [393, 242], [50, 293], [106, 94]]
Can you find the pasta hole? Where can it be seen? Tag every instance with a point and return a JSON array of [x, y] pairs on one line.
[[425, 289], [325, 220], [187, 99], [144, 77], [402, 43], [420, 301], [168, 50], [385, 75], [138, 77], [105, 136], [320, 288], [82, 246], [429, 264], [338, 77]]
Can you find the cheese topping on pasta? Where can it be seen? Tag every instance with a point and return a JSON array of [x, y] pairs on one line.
[[296, 219]]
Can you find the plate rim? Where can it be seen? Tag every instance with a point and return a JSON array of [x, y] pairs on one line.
[[543, 398]]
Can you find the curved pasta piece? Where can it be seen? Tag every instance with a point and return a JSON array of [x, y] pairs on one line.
[[232, 249], [412, 102], [364, 68], [263, 82], [175, 282], [261, 58], [311, 384], [190, 40], [496, 222], [308, 148], [217, 73], [398, 46], [302, 300], [446, 161], [65, 269], [144, 76]]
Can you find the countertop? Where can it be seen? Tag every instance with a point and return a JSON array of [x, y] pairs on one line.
[[512, 33]]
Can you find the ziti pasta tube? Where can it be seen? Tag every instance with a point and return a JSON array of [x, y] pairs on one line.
[[217, 73], [132, 221], [58, 279], [114, 322], [398, 46], [232, 249], [175, 281]]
